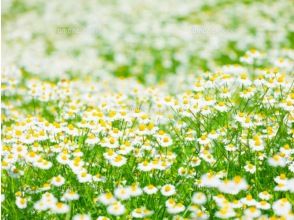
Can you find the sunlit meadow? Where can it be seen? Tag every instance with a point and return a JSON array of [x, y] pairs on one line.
[[147, 110]]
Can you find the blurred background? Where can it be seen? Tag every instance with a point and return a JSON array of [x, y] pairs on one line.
[[147, 39]]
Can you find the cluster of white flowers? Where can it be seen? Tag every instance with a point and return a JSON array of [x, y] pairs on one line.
[[140, 143], [154, 110]]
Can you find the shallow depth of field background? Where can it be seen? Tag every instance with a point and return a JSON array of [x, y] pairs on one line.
[[147, 39]]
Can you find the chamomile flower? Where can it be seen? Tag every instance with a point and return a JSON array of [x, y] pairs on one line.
[[231, 147], [210, 180], [81, 217], [84, 177], [70, 195], [170, 202], [21, 202], [250, 168], [41, 206], [168, 190], [58, 180], [145, 166], [203, 140], [150, 189], [252, 212], [176, 208], [122, 193], [116, 209], [277, 160], [102, 218], [264, 205], [236, 204], [141, 212], [282, 207], [165, 140], [195, 161], [199, 198], [256, 143], [60, 208], [233, 186], [118, 161], [135, 190], [265, 195], [249, 200], [107, 198], [49, 199], [225, 213]]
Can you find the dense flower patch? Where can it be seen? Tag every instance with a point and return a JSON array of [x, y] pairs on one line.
[[223, 147], [156, 110]]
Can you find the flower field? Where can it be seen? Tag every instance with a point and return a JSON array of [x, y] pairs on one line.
[[147, 110]]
